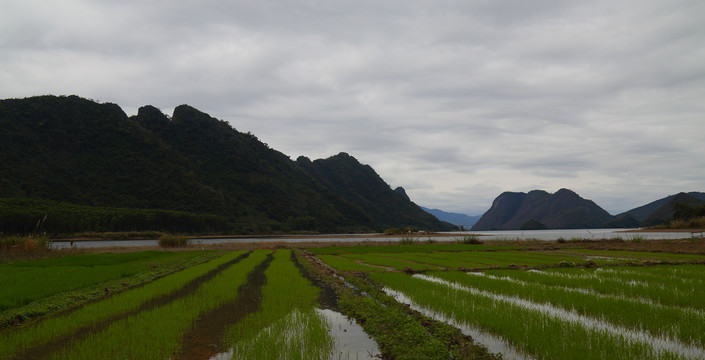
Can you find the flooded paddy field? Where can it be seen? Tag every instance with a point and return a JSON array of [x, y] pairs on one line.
[[417, 301], [550, 304]]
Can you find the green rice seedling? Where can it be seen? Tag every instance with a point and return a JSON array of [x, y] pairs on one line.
[[34, 335], [421, 247], [396, 331], [538, 332], [634, 255], [26, 281], [300, 335], [687, 326], [345, 264], [286, 289], [389, 260], [670, 293], [157, 333]]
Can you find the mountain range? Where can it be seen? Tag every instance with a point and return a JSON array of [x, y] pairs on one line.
[[565, 209], [74, 150], [466, 221]]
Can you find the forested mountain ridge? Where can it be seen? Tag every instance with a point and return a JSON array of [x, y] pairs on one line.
[[78, 151]]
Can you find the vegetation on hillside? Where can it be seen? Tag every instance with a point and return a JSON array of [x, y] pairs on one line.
[[76, 151]]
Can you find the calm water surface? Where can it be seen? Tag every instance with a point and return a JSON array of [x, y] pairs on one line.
[[449, 236]]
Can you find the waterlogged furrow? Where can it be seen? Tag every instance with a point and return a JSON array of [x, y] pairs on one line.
[[40, 334], [300, 335], [662, 346], [673, 322], [155, 334], [494, 344]]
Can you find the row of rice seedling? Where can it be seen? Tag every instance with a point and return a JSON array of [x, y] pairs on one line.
[[685, 275], [658, 320], [157, 333], [26, 281], [32, 335], [300, 334], [344, 264], [287, 325], [635, 255], [541, 331], [667, 293], [499, 258], [390, 261], [469, 259]]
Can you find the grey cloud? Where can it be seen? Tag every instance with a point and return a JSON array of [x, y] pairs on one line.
[[455, 101]]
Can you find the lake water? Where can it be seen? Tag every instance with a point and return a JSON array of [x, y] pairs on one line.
[[549, 235]]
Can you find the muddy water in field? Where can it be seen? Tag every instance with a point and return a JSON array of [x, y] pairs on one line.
[[43, 351], [204, 340], [351, 341]]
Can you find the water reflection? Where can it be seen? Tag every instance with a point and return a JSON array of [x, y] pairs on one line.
[[351, 341]]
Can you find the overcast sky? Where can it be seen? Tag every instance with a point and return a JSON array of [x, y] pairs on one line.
[[456, 101]]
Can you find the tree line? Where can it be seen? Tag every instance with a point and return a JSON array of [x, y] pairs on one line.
[[27, 216]]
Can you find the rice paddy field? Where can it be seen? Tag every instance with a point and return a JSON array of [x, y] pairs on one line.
[[551, 304], [412, 301]]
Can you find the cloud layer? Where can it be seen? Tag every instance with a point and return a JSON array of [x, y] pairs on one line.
[[457, 101]]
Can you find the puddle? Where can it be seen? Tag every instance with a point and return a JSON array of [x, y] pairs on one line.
[[351, 341], [58, 343], [659, 344], [494, 344], [204, 340]]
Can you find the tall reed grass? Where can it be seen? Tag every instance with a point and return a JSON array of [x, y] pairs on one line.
[[167, 241]]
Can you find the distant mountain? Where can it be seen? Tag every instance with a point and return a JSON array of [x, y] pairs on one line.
[[642, 213], [537, 209], [74, 150], [665, 213], [466, 221]]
